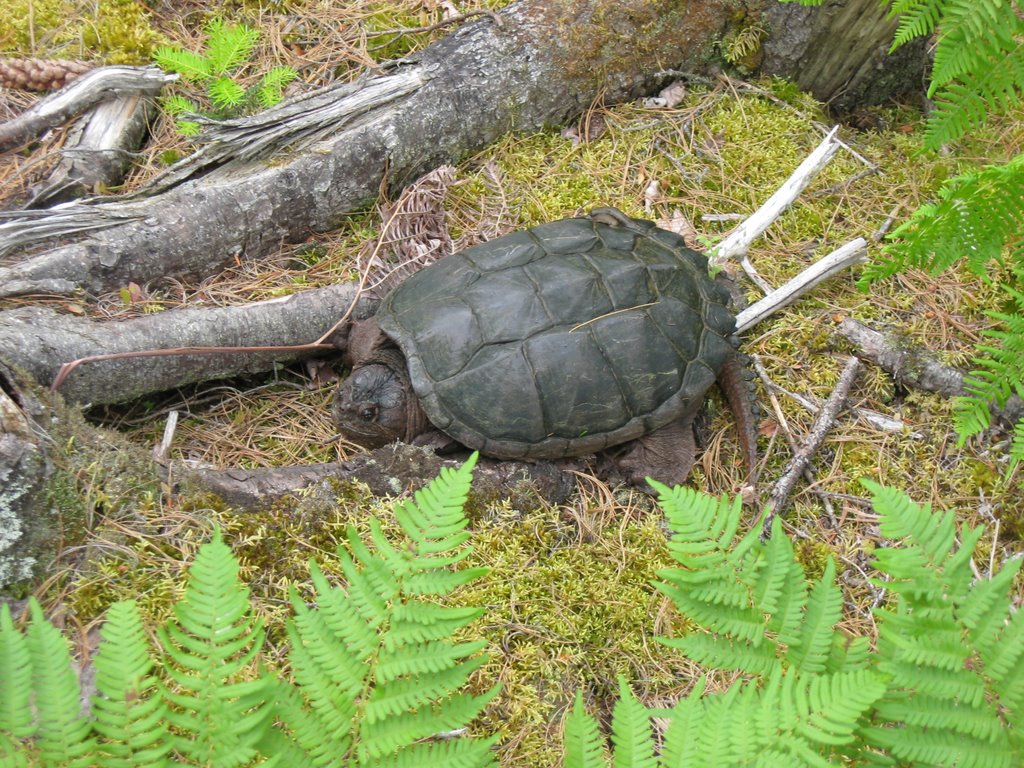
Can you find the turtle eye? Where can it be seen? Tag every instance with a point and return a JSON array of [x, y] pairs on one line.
[[369, 413]]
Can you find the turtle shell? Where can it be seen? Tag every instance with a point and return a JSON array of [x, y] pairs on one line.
[[563, 339]]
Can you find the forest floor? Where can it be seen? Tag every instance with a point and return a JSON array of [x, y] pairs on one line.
[[569, 598]]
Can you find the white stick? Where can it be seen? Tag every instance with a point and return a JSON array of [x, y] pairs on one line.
[[739, 239], [854, 252]]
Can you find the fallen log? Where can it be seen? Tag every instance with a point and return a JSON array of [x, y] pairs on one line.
[[301, 167], [121, 360], [388, 471], [85, 91]]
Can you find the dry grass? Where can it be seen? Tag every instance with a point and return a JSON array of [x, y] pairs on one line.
[[567, 596]]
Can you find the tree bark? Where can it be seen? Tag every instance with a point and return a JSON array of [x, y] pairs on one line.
[[29, 530], [386, 471], [839, 52], [301, 167], [41, 340]]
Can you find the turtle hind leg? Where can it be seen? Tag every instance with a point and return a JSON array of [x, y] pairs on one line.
[[666, 454]]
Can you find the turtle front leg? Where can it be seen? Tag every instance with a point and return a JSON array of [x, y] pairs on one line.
[[666, 454]]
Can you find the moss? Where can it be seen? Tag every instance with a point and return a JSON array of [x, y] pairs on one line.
[[585, 42], [570, 606], [116, 31]]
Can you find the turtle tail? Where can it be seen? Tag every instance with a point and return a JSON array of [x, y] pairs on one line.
[[735, 381]]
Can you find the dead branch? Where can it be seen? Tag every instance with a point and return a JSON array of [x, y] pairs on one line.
[[739, 240], [387, 471], [916, 367], [41, 341], [82, 93], [854, 252], [822, 424], [97, 151]]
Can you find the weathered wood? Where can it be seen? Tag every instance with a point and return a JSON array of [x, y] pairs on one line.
[[544, 63], [839, 52], [826, 418], [916, 367], [387, 471], [84, 92], [41, 340], [29, 523], [98, 150]]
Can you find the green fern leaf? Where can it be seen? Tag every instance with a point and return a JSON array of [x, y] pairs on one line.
[[62, 734], [301, 739], [225, 93], [127, 709], [445, 753], [228, 46], [1017, 446], [940, 645], [582, 739], [810, 651], [410, 692], [382, 738], [631, 731], [976, 215], [772, 576], [210, 645], [717, 652], [15, 679], [191, 66], [12, 753], [375, 663], [918, 18]]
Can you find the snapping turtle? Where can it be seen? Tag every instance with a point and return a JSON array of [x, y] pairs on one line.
[[565, 339]]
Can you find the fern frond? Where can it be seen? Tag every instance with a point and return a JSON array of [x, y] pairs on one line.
[[918, 18], [811, 650], [940, 645], [444, 753], [62, 734], [972, 31], [977, 214], [15, 679], [631, 731], [228, 45], [1000, 374], [713, 585], [794, 720], [128, 710], [210, 644], [375, 662], [723, 652], [384, 737], [1017, 443], [584, 745]]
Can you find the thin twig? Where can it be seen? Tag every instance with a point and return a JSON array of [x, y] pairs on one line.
[[787, 433], [742, 236], [853, 252], [826, 418]]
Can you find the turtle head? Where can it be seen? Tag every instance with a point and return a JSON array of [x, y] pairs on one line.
[[373, 406]]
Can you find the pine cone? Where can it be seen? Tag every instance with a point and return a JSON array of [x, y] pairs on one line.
[[40, 74]]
